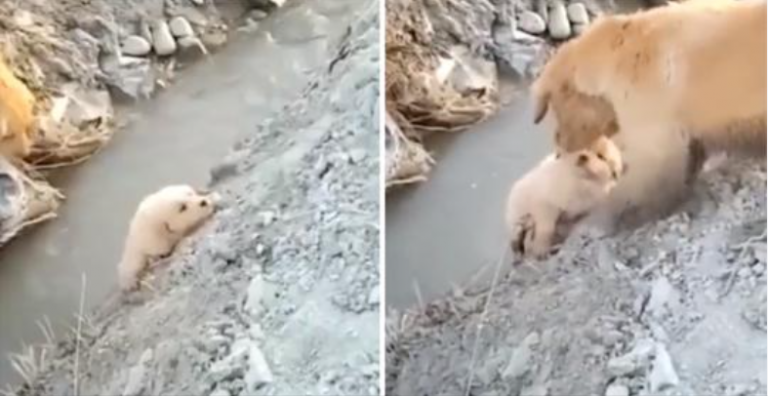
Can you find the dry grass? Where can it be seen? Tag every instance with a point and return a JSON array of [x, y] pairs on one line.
[[418, 103], [34, 48]]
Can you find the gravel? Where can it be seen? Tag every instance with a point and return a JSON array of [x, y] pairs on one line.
[[662, 310]]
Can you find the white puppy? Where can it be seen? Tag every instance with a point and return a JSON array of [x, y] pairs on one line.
[[161, 221]]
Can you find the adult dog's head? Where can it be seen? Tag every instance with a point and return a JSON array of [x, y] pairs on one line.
[[580, 118]]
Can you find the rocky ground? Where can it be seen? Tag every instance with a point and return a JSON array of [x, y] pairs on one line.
[[677, 307], [279, 294]]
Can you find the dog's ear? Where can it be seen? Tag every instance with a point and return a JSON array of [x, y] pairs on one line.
[[540, 107]]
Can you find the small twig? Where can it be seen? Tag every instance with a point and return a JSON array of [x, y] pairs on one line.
[[483, 316], [419, 298], [78, 335]]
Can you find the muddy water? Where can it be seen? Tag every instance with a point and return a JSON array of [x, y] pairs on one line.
[[443, 231], [175, 138]]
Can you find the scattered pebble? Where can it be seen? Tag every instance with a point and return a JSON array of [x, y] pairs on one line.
[[162, 39], [198, 3], [192, 47], [267, 218], [137, 375], [215, 342], [662, 294], [253, 303], [180, 27], [220, 392], [231, 366], [259, 373], [663, 374], [559, 26], [578, 28], [520, 363], [136, 46], [616, 390], [577, 13], [258, 15], [542, 9], [213, 39], [374, 296], [634, 361], [531, 22], [535, 390]]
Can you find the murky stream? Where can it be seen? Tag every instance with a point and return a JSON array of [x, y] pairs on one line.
[[443, 231], [175, 138]]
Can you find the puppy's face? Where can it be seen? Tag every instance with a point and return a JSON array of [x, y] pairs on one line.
[[186, 208], [601, 162]]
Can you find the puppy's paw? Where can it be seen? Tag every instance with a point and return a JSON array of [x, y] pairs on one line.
[[522, 236], [128, 283]]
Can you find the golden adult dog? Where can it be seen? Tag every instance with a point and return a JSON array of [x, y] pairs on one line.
[[660, 79]]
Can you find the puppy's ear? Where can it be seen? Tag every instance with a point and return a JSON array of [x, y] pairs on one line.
[[540, 106]]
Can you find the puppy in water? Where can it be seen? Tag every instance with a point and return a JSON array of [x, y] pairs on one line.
[[162, 220], [657, 83], [565, 187]]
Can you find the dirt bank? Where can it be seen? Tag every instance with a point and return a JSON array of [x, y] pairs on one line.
[[279, 294], [675, 308]]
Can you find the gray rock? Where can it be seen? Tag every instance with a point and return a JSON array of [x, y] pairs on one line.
[[577, 13], [214, 343], [531, 22], [232, 366], [191, 48], [559, 26], [374, 295], [220, 392], [259, 373], [136, 46], [633, 362], [578, 29], [266, 4], [522, 358], [180, 27], [137, 375], [663, 374], [258, 15], [542, 9], [662, 295], [198, 3], [162, 39], [616, 390], [267, 218], [535, 390], [145, 31], [131, 76], [253, 303]]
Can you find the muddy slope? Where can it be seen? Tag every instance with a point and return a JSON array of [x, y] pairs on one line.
[[279, 294], [675, 308]]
